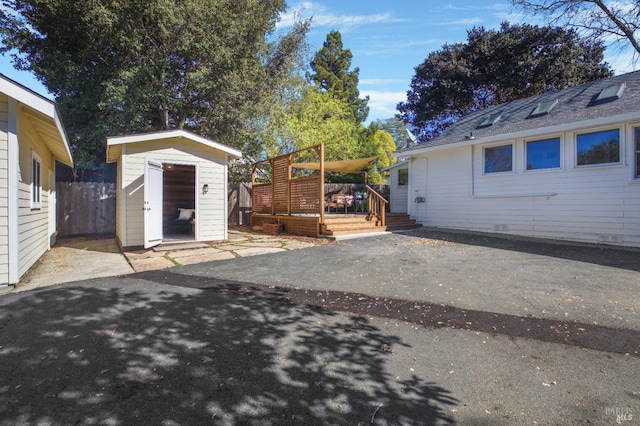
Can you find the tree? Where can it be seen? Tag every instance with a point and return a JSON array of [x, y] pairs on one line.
[[383, 146], [398, 131], [331, 74], [119, 67], [321, 118], [495, 67], [592, 18]]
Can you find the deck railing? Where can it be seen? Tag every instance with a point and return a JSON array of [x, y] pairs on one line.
[[377, 204]]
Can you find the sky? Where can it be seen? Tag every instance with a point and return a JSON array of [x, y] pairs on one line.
[[388, 39]]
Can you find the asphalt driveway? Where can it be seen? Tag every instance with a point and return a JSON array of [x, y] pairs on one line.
[[422, 328], [520, 277]]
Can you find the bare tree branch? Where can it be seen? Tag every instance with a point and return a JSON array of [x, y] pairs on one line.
[[594, 18]]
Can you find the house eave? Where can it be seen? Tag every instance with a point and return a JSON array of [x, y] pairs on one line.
[[49, 117]]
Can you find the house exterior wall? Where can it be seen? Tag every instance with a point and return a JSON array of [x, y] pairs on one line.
[[210, 169], [4, 199], [595, 204], [33, 223], [418, 187], [398, 194]]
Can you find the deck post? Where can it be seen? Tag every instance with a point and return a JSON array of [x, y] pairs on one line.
[[321, 154]]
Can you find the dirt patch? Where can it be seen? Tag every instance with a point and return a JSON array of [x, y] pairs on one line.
[[284, 236]]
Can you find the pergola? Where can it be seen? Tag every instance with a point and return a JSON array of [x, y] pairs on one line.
[[299, 201]]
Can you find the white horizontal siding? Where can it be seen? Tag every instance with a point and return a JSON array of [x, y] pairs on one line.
[[593, 204], [4, 200], [33, 224], [211, 214]]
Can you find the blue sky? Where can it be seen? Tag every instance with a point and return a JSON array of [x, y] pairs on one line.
[[388, 39]]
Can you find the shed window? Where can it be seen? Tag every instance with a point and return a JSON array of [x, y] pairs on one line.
[[36, 181], [403, 177], [544, 154], [598, 148], [498, 159]]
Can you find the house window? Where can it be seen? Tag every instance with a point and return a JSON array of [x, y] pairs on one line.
[[403, 177], [544, 154], [498, 159], [598, 148], [36, 181], [637, 163]]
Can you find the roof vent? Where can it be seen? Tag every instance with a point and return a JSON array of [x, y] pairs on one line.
[[543, 108], [490, 120], [609, 94]]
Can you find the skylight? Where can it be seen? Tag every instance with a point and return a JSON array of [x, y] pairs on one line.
[[543, 108], [610, 93], [491, 119]]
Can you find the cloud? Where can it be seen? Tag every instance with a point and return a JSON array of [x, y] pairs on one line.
[[382, 105], [379, 81], [321, 17]]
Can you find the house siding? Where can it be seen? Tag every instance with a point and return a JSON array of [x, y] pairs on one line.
[[599, 204], [4, 183], [211, 217], [33, 223]]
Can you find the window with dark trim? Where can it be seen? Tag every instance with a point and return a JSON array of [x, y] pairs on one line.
[[598, 148], [403, 177], [498, 159], [36, 181], [543, 154]]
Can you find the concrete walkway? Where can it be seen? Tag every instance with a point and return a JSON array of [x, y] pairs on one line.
[[83, 258]]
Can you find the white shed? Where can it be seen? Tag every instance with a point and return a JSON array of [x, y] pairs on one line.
[[32, 138], [172, 186]]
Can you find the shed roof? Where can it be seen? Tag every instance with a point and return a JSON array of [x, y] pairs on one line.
[[576, 107], [43, 115], [114, 144]]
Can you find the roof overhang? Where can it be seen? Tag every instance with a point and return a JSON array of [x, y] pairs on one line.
[[43, 115], [399, 164], [114, 144], [540, 131]]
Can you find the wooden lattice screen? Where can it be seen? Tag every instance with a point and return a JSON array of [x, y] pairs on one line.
[[261, 200], [280, 183], [285, 195]]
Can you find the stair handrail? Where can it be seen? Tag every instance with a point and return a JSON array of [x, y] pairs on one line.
[[376, 204]]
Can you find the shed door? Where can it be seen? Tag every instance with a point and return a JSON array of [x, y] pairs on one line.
[[152, 203]]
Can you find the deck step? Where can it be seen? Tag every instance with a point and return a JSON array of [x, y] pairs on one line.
[[400, 222], [348, 224], [358, 224]]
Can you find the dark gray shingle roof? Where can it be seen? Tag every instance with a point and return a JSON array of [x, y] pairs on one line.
[[575, 104]]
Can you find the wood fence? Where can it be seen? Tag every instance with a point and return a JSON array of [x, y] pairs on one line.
[[86, 208], [90, 207]]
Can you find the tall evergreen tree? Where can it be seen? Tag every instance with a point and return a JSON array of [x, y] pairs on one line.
[[494, 67], [331, 74], [122, 66]]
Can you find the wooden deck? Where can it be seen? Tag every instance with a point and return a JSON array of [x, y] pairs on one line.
[[335, 225]]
